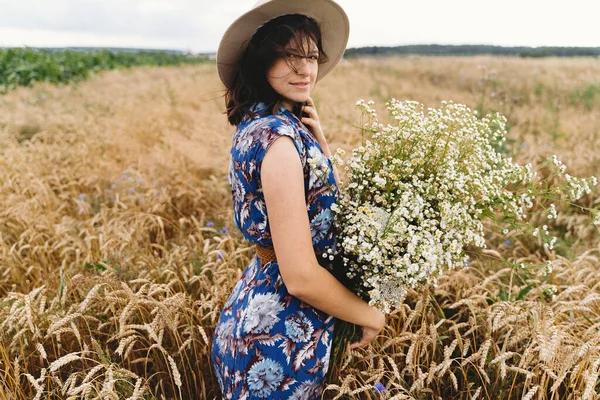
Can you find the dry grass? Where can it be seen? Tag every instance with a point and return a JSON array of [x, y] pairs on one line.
[[111, 281]]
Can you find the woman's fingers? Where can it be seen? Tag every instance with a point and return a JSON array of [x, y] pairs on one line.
[[310, 111], [363, 342], [307, 121], [368, 335], [357, 345]]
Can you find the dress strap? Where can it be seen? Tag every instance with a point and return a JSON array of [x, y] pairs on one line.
[[265, 254]]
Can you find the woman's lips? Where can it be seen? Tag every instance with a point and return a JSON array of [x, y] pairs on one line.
[[300, 85]]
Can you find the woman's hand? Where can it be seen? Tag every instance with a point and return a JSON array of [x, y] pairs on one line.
[[370, 332], [313, 122]]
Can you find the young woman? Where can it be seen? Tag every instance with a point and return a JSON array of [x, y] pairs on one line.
[[274, 335]]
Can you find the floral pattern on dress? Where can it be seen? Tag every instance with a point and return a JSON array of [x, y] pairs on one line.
[[269, 344]]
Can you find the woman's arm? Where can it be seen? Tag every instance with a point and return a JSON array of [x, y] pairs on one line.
[[283, 187]]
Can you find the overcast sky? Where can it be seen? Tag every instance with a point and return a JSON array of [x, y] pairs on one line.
[[197, 25]]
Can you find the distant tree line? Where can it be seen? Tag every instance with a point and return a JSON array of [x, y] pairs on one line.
[[109, 49], [24, 66], [470, 50]]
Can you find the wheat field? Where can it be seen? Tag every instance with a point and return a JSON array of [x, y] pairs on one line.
[[118, 248]]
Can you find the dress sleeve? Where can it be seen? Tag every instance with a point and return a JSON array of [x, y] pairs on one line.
[[273, 131]]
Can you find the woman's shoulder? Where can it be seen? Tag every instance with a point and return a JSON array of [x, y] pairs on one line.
[[255, 135], [268, 123], [265, 127], [262, 120]]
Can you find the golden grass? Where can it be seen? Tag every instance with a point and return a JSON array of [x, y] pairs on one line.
[[111, 282]]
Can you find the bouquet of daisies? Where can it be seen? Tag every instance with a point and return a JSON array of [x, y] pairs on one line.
[[417, 191]]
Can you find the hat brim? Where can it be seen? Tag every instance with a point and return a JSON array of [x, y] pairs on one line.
[[335, 30]]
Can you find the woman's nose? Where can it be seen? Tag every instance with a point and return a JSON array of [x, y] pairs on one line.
[[302, 65]]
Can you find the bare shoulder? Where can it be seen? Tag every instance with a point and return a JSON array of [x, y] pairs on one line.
[[281, 170]]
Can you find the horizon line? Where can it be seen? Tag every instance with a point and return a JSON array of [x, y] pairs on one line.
[[349, 48]]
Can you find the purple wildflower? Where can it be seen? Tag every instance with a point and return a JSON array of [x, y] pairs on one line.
[[379, 387], [210, 224], [224, 231], [507, 243]]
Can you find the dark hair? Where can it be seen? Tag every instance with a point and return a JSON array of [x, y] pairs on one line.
[[268, 43]]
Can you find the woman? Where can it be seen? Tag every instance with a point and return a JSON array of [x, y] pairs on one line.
[[274, 335]]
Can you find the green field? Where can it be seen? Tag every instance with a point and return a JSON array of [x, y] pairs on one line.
[[23, 67]]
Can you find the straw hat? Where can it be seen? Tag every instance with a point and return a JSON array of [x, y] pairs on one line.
[[335, 29]]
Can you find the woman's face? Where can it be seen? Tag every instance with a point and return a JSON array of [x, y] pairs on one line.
[[295, 86]]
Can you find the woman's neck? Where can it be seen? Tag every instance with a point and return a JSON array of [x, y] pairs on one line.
[[288, 105]]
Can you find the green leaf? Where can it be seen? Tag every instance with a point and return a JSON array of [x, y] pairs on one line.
[[63, 284], [502, 294], [524, 291], [95, 267], [487, 213]]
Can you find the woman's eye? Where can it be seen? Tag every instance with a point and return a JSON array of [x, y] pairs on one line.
[[311, 58]]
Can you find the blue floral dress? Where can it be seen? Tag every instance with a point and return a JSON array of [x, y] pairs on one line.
[[269, 344]]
